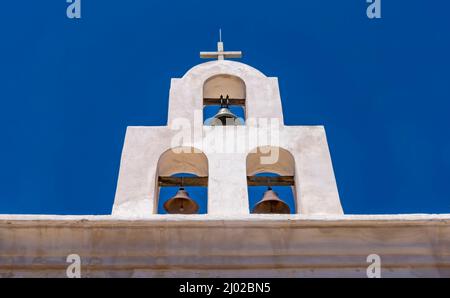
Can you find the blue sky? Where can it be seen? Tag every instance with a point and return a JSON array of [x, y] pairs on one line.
[[69, 88]]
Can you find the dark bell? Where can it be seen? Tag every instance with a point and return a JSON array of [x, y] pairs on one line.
[[181, 203], [271, 203]]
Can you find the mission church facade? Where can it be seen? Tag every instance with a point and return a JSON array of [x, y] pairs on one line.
[[310, 238]]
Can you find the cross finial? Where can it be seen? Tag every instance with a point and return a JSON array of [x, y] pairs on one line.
[[220, 54]]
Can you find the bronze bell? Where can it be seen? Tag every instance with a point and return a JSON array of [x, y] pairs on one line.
[[181, 203], [271, 203]]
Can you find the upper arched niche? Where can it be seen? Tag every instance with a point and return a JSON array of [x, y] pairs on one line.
[[183, 160], [271, 160], [224, 85]]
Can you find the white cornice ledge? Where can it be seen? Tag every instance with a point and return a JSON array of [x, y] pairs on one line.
[[252, 220]]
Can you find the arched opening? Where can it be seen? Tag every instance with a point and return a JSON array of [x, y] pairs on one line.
[[182, 177], [270, 180], [224, 100]]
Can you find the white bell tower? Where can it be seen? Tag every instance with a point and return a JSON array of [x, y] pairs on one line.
[[226, 158]]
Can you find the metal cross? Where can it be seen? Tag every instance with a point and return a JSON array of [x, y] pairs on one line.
[[220, 54]]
